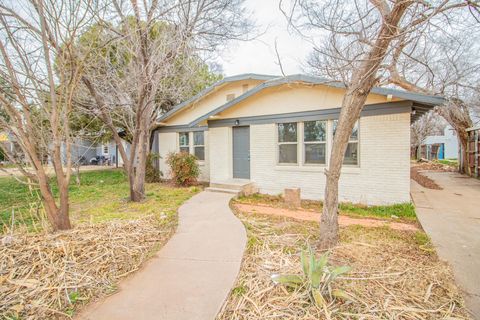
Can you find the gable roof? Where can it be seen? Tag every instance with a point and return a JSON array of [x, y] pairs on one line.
[[422, 102], [216, 85]]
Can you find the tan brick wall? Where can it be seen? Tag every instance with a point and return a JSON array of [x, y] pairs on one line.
[[383, 176]]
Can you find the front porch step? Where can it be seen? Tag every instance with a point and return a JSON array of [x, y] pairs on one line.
[[234, 184], [223, 190]]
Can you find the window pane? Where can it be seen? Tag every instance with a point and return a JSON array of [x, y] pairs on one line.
[[184, 149], [198, 139], [315, 153], [315, 131], [199, 153], [353, 136], [183, 138], [287, 132], [287, 153], [351, 154]]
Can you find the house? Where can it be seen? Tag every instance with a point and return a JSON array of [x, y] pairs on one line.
[[88, 152], [443, 146], [277, 132]]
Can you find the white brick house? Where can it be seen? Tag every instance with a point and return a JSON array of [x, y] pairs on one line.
[[277, 132]]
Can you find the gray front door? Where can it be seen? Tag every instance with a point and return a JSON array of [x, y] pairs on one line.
[[241, 152]]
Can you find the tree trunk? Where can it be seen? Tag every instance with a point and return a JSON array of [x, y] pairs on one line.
[[464, 165], [137, 190], [58, 217], [362, 82], [352, 106]]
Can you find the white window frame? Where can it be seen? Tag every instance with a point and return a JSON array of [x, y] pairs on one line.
[[105, 147], [325, 142], [285, 143], [357, 141], [199, 145], [180, 146]]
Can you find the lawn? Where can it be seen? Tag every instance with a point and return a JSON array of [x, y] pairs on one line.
[[394, 275], [101, 196], [46, 275]]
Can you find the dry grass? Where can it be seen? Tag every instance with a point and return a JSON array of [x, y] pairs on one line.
[[395, 275], [417, 175], [46, 276]]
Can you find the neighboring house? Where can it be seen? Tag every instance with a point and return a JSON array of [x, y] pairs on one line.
[[441, 146], [277, 132], [86, 152]]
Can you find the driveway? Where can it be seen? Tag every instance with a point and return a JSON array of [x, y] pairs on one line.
[[451, 217]]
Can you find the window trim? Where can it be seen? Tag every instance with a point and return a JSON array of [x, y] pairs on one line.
[[180, 146], [278, 143], [325, 142], [357, 141], [198, 145], [105, 145]]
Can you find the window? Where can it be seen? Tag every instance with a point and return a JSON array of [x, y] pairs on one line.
[[287, 142], [199, 145], [184, 142], [230, 96], [105, 149], [315, 142], [351, 154]]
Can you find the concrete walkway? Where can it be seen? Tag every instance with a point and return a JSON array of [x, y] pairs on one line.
[[451, 217], [193, 273]]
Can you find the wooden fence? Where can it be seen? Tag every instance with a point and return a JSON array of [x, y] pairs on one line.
[[473, 151]]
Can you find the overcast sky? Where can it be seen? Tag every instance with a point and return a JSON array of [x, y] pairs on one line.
[[258, 56]]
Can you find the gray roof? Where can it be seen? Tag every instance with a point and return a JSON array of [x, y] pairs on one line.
[[422, 102]]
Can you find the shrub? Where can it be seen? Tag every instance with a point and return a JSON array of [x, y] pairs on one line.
[[184, 168], [317, 278], [152, 174]]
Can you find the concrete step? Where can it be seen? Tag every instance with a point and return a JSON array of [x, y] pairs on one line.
[[223, 190], [224, 185]]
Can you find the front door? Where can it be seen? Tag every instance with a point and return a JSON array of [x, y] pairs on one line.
[[241, 152]]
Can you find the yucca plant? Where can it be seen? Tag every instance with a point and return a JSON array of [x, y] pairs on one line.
[[317, 278]]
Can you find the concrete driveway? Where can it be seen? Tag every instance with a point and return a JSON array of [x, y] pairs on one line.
[[451, 217]]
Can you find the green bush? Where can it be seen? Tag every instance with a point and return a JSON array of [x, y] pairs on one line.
[[184, 168]]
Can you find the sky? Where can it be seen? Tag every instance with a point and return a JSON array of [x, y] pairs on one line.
[[258, 55]]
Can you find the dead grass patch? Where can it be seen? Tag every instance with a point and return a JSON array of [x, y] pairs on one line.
[[395, 275], [423, 180], [48, 276]]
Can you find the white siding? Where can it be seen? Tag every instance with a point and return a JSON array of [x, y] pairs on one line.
[[383, 176]]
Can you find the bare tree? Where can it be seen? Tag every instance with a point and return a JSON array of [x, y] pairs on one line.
[[358, 38], [428, 124], [36, 97], [448, 66], [154, 51]]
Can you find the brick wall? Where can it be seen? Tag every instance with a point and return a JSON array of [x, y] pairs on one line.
[[383, 176]]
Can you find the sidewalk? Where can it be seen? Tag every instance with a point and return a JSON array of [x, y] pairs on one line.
[[193, 273]]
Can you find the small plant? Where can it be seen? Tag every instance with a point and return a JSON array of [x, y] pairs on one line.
[[317, 278], [184, 168]]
